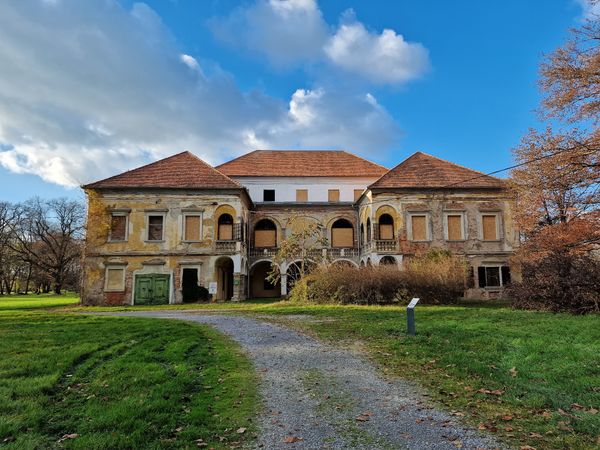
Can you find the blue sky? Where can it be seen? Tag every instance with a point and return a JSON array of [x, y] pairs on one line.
[[95, 89]]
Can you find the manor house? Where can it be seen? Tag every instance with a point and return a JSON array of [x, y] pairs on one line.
[[158, 232]]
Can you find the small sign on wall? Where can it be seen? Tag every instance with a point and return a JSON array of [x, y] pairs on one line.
[[212, 287]]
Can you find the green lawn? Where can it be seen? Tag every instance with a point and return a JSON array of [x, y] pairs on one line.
[[530, 378], [10, 303], [86, 382]]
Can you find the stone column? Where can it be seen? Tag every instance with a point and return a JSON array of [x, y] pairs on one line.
[[284, 284], [238, 288]]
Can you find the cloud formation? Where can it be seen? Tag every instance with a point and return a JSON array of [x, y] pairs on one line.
[[89, 89], [289, 32]]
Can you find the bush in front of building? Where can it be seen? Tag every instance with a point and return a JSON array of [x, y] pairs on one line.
[[436, 278], [561, 281]]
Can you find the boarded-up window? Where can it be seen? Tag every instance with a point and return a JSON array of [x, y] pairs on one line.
[[334, 195], [301, 195], [265, 238], [192, 228], [155, 228], [357, 194], [226, 232], [490, 227], [118, 227], [419, 228], [342, 237], [386, 231], [455, 232], [114, 279]]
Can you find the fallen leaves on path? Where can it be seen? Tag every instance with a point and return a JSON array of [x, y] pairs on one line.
[[291, 439]]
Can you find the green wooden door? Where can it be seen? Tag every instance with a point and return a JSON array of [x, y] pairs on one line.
[[151, 289]]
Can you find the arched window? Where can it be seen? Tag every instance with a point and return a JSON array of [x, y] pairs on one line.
[[369, 229], [225, 232], [342, 234], [265, 234], [362, 233], [386, 227]]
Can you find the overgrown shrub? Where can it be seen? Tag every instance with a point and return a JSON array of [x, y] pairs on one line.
[[434, 277], [560, 281]]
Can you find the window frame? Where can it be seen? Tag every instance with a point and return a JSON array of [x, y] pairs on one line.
[[108, 267], [492, 266], [264, 195], [359, 192], [119, 214], [463, 227], [497, 214], [162, 214], [191, 213], [409, 228]]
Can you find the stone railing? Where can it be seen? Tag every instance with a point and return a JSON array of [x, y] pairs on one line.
[[381, 246], [267, 252], [227, 246]]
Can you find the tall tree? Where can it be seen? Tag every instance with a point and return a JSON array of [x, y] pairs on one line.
[[49, 236], [558, 183]]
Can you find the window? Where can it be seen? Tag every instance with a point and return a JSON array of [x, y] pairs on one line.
[[268, 195], [342, 234], [418, 227], [301, 195], [192, 227], [118, 227], [493, 276], [489, 227], [386, 227], [333, 195], [357, 194], [265, 234], [454, 227], [114, 279], [155, 227], [225, 231]]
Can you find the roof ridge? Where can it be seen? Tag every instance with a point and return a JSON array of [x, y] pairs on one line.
[[363, 159]]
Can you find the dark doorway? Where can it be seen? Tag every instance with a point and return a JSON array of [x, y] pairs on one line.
[[189, 285]]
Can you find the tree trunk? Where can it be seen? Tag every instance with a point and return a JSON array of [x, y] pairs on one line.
[[28, 279]]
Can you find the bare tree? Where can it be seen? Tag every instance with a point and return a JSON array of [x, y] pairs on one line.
[[49, 235]]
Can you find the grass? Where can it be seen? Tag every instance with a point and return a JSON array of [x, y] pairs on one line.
[[83, 382], [531, 378], [11, 303]]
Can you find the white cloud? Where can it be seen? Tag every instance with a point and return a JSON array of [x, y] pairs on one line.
[[290, 32], [591, 8], [88, 89], [380, 58], [285, 31]]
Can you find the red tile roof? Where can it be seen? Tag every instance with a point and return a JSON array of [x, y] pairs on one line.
[[181, 171], [425, 171], [301, 163]]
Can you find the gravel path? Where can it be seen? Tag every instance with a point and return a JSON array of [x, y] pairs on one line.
[[321, 397]]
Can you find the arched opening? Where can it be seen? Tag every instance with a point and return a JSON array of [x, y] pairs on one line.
[[265, 234], [387, 261], [369, 262], [225, 231], [342, 234], [362, 233], [369, 229], [224, 272], [386, 227], [260, 286], [294, 272]]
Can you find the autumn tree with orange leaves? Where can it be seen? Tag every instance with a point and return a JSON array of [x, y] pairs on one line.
[[557, 182]]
